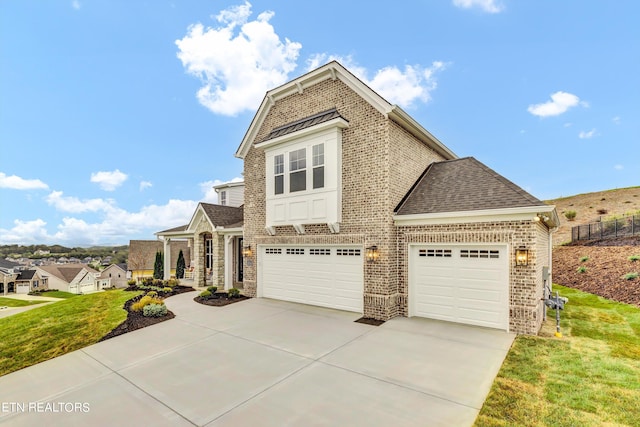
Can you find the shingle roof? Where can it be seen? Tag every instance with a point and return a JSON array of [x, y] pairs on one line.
[[288, 128], [66, 272], [26, 275], [180, 228], [223, 216], [462, 185], [142, 253], [8, 264]]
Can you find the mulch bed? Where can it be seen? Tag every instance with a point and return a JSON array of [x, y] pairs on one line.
[[605, 268], [369, 321], [220, 299], [135, 320]]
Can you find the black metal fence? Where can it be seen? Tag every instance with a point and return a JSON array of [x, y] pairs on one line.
[[619, 227]]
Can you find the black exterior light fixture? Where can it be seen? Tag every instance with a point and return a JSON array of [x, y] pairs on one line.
[[522, 257], [372, 253]]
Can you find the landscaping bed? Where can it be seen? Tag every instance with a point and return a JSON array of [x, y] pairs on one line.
[[606, 271], [219, 299], [136, 319]]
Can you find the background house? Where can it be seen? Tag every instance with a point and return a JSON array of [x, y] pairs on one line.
[[142, 255], [114, 276], [30, 280], [8, 274], [74, 278]]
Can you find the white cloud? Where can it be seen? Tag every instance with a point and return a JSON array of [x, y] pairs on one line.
[[616, 120], [238, 60], [618, 167], [15, 182], [209, 194], [402, 87], [145, 184], [587, 135], [109, 181], [560, 103], [568, 124], [76, 4], [75, 205], [26, 232], [490, 6]]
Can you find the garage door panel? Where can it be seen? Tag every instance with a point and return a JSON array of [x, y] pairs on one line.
[[469, 286], [329, 276]]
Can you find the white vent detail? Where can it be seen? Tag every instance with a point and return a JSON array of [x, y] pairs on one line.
[[273, 251]]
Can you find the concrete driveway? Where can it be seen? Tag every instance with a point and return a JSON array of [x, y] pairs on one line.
[[264, 363]]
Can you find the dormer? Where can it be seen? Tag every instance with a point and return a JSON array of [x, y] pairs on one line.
[[230, 193], [303, 170]]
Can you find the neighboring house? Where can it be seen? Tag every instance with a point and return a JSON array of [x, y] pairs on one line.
[[114, 276], [8, 274], [73, 278], [215, 236], [352, 204], [142, 256], [30, 280]]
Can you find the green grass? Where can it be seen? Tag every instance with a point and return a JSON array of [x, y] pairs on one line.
[[589, 377], [58, 294], [55, 329], [11, 302]]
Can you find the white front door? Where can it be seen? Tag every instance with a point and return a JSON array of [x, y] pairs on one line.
[[328, 276], [460, 283]]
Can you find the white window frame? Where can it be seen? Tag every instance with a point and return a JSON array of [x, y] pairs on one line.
[[223, 198]]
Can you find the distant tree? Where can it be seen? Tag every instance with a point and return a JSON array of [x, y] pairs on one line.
[[180, 265], [158, 266]]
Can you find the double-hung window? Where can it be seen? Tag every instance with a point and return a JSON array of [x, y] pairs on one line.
[[298, 170], [278, 168], [318, 166], [223, 198]]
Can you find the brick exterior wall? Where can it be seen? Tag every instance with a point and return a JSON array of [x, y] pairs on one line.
[[380, 162], [374, 179]]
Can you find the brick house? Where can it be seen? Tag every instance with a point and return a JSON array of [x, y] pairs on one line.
[[212, 239], [352, 204]]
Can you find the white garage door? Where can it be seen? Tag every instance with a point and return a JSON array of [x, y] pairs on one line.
[[22, 288], [328, 276], [464, 284]]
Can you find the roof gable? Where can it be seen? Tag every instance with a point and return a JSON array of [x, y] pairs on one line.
[[216, 215], [334, 70], [462, 185]]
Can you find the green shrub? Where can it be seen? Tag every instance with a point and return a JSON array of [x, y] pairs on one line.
[[634, 258], [152, 294], [144, 301], [233, 293], [154, 310], [584, 259], [158, 283], [148, 281], [582, 269], [212, 289], [131, 282], [570, 215], [171, 283], [167, 289], [205, 294], [630, 276]]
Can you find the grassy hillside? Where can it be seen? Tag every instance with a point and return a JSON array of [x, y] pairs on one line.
[[591, 207]]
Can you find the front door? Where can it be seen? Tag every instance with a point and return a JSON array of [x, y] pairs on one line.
[[239, 263]]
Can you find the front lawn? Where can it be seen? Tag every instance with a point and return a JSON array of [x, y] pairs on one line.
[[12, 302], [591, 376], [58, 294], [55, 329]]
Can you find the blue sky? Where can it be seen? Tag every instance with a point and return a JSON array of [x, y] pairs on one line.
[[117, 117]]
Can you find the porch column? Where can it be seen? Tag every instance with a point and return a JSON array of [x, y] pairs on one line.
[[228, 262], [167, 258]]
